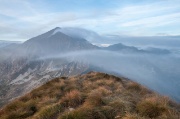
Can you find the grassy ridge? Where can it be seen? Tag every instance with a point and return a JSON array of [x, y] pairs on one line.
[[91, 96]]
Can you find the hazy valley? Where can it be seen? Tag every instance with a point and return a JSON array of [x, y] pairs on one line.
[[60, 53], [53, 54]]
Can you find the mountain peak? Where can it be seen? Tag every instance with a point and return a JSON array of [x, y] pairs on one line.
[[56, 30], [55, 42]]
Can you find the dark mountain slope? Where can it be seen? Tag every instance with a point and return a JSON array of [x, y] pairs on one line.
[[91, 96], [121, 47], [55, 42], [131, 49]]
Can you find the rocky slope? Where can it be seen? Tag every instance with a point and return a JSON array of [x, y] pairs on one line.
[[27, 65], [91, 96]]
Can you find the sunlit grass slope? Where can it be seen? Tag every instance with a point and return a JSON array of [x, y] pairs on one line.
[[91, 96]]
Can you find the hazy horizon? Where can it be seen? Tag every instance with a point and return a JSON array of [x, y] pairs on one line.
[[23, 19]]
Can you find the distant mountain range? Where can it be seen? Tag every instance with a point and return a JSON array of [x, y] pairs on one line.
[[58, 41], [4, 43], [23, 67], [130, 49]]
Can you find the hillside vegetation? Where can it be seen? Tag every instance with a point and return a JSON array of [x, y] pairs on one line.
[[91, 96]]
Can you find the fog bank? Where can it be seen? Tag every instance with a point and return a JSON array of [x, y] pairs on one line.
[[158, 72]]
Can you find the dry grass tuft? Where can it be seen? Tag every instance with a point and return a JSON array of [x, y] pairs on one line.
[[95, 97], [119, 107], [132, 116], [72, 98], [14, 112], [151, 109], [134, 87], [48, 112]]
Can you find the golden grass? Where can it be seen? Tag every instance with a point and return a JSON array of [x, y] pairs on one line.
[[48, 112], [150, 109], [132, 116], [94, 98], [72, 98], [18, 109], [91, 96]]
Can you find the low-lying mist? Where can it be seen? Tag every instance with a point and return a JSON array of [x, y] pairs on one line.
[[158, 72]]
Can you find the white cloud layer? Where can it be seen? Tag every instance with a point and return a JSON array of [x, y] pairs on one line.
[[23, 19]]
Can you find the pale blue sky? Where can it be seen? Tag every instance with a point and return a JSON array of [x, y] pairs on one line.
[[23, 19]]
